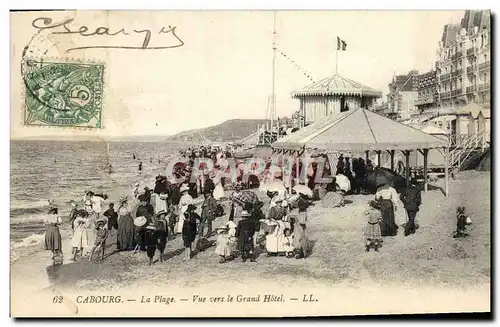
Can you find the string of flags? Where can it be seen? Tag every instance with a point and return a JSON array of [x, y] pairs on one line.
[[299, 68]]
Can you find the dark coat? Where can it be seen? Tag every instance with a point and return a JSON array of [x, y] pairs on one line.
[[411, 198], [189, 229], [208, 209], [145, 210], [244, 233], [112, 216], [160, 187], [277, 212], [175, 195], [209, 186]]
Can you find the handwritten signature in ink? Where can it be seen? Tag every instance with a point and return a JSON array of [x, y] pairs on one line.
[[43, 23]]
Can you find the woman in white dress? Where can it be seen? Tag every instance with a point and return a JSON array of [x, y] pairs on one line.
[[226, 241], [80, 238], [219, 189], [184, 202]]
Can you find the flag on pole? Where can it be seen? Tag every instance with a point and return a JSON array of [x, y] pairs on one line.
[[341, 44]]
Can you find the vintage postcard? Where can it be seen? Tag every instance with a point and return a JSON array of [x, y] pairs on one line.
[[250, 163]]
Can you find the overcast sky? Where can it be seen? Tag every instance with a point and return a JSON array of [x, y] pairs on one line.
[[224, 70]]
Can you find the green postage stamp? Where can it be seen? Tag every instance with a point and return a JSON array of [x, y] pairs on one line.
[[63, 94]]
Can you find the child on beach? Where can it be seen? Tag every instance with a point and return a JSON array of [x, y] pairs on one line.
[[226, 241], [462, 223], [372, 231], [80, 238], [189, 230], [72, 214], [288, 243], [102, 234], [151, 240], [208, 209], [172, 218], [162, 236]]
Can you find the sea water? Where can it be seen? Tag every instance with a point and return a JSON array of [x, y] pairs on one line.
[[63, 170]]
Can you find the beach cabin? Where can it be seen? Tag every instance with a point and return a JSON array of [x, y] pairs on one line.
[[332, 96]]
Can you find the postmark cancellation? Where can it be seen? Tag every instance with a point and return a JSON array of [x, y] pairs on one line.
[[63, 94]]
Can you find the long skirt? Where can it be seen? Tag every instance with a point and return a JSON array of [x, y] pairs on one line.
[[300, 240], [387, 226], [219, 191], [53, 240], [80, 238], [126, 230]]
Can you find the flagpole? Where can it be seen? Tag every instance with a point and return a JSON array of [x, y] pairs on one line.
[[336, 59]]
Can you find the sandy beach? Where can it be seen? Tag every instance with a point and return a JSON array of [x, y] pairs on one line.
[[430, 259]]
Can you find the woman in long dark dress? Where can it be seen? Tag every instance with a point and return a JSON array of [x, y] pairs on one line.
[[189, 229], [53, 241], [126, 228], [386, 197]]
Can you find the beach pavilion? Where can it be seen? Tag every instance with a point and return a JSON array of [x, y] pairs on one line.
[[333, 95], [361, 130]]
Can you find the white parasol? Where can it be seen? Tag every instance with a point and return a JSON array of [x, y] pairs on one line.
[[274, 186], [140, 221], [304, 190], [343, 182]]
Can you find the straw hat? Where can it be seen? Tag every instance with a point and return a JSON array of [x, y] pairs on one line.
[[161, 212], [123, 199], [136, 184], [220, 230], [151, 226], [140, 221], [100, 222], [245, 213], [184, 188]]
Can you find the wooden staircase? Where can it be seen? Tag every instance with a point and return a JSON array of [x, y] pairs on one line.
[[465, 148]]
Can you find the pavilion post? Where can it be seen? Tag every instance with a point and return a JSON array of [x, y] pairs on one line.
[[367, 155], [425, 153], [297, 170], [407, 170], [378, 158], [446, 172], [391, 152]]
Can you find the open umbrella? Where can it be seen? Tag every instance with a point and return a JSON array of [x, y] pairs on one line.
[[304, 190], [383, 176], [343, 182], [274, 186], [140, 221]]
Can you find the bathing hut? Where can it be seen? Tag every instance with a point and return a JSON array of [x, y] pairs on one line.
[[333, 95]]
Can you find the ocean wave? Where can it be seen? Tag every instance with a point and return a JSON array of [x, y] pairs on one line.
[[15, 212], [26, 246], [31, 240]]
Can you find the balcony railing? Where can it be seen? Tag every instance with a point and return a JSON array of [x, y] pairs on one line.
[[484, 66], [484, 87], [456, 56], [445, 77], [456, 92], [456, 73], [425, 100], [471, 51], [471, 89], [445, 95], [471, 69]]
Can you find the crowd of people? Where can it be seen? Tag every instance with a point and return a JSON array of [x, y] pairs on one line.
[[149, 218]]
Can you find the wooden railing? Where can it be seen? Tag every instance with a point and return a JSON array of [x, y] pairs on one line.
[[463, 146]]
